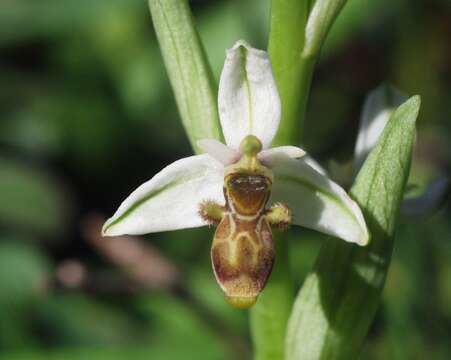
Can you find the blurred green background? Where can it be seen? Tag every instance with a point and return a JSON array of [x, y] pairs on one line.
[[87, 114]]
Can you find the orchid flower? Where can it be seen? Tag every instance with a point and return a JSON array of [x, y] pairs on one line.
[[230, 185]]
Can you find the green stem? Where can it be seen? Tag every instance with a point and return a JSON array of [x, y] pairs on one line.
[[293, 74], [292, 70], [270, 315]]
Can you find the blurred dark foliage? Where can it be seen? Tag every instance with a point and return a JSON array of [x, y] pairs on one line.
[[87, 114]]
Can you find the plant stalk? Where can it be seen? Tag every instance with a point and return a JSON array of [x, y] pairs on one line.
[[292, 70]]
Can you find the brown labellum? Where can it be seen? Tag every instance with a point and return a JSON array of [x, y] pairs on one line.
[[242, 252]]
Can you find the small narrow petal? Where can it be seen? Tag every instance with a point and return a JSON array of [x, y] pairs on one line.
[[317, 202], [272, 156], [170, 200], [268, 156], [219, 151], [248, 100], [379, 105]]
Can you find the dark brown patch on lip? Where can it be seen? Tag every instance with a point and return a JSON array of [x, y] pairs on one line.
[[249, 193]]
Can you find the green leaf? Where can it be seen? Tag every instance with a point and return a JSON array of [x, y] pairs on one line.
[[188, 69], [339, 298], [322, 16]]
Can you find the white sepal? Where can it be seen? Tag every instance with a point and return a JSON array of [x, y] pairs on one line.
[[170, 200], [219, 151], [317, 202], [248, 99]]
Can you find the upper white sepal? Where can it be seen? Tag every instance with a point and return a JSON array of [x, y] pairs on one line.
[[248, 99]]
